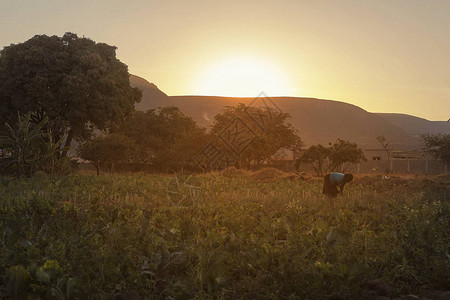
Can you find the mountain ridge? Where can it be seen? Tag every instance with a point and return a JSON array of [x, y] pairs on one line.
[[415, 125], [317, 120], [150, 93]]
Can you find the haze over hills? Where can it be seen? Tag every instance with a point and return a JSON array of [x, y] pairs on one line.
[[415, 125], [318, 121]]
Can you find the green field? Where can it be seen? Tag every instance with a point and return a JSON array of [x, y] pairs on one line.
[[221, 237]]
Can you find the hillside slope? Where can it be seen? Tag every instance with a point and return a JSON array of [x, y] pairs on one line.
[[318, 121], [415, 125], [152, 97]]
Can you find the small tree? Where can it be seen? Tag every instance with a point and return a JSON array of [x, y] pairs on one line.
[[27, 147], [337, 157], [22, 143], [107, 151], [384, 143], [438, 145], [317, 156], [343, 153], [180, 154]]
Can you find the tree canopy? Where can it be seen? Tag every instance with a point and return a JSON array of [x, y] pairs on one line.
[[107, 151], [255, 134], [163, 139], [343, 153], [78, 84], [438, 145], [336, 157], [317, 156]]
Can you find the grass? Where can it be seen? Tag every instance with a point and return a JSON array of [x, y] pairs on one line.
[[216, 236]]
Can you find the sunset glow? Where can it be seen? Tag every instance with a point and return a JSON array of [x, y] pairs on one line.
[[242, 76], [390, 57]]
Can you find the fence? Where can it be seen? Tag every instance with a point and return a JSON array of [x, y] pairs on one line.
[[430, 167]]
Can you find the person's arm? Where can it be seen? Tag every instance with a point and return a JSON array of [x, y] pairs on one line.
[[342, 188]]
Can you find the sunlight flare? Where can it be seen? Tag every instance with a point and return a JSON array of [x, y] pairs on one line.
[[243, 77]]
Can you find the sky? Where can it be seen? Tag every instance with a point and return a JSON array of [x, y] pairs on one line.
[[383, 55]]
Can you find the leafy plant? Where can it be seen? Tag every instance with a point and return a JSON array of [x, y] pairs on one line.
[[18, 282], [22, 145], [27, 148]]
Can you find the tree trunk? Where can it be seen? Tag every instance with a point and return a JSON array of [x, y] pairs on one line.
[[67, 143], [97, 167], [345, 168]]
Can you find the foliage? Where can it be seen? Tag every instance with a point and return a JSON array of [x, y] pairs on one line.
[[76, 83], [84, 237], [26, 148], [337, 157], [343, 153], [164, 137], [438, 145], [316, 156], [105, 152], [270, 132]]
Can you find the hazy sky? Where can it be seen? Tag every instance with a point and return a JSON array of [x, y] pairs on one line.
[[384, 56]]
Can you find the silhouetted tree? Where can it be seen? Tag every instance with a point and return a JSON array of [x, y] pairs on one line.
[[262, 131], [164, 137], [105, 152], [384, 143], [438, 145], [317, 156], [343, 153], [336, 157], [76, 83]]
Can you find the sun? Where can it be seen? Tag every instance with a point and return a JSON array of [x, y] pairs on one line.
[[242, 76]]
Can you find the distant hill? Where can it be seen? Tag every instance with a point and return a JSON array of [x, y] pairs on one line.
[[416, 126], [152, 96], [318, 121]]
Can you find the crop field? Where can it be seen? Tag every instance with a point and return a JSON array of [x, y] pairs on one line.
[[229, 235]]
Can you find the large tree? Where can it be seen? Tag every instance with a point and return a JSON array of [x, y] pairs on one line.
[[253, 135], [165, 137], [78, 84]]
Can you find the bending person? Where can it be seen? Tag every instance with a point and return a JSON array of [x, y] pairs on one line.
[[332, 181]]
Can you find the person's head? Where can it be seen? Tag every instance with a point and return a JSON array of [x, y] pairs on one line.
[[348, 177]]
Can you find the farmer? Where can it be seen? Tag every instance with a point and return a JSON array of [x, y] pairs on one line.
[[332, 181]]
